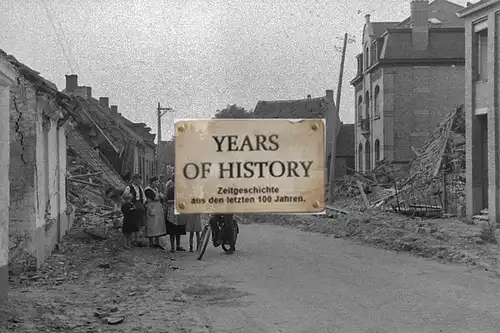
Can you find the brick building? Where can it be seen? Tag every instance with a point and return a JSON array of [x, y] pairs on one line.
[[482, 92], [410, 74]]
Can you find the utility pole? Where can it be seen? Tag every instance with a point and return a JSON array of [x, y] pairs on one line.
[[160, 113], [331, 181]]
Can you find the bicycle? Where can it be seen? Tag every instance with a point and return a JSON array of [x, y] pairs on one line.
[[226, 244]]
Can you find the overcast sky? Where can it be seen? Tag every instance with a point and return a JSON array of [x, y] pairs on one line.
[[194, 56]]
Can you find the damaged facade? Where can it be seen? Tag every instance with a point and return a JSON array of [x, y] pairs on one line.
[[410, 74], [481, 109], [39, 214], [125, 146]]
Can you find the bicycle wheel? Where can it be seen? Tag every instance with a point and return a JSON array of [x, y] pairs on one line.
[[204, 239]]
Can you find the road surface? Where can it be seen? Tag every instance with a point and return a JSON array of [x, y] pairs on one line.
[[285, 280]]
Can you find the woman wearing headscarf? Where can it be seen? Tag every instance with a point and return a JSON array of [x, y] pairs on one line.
[[155, 219], [175, 227]]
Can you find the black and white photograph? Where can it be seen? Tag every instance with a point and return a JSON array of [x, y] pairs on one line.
[[250, 166]]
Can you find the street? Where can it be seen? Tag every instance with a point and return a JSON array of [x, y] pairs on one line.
[[285, 280]]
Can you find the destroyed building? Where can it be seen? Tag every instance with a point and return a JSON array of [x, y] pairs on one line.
[[39, 214], [123, 146], [432, 184]]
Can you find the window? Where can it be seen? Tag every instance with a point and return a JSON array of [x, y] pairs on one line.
[[377, 150], [360, 157], [368, 162], [380, 43], [373, 53], [367, 105], [376, 104], [360, 109], [482, 54], [367, 56]]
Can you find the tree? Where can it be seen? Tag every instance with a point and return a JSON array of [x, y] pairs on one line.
[[233, 112]]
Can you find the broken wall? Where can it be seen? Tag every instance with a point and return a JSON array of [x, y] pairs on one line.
[[38, 209], [22, 158]]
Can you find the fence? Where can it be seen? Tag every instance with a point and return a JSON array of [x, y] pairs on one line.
[[428, 196]]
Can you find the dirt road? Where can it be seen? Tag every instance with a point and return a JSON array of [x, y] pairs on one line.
[[286, 280]]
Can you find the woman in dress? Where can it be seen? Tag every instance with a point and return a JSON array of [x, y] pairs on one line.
[[155, 219], [175, 227], [139, 200]]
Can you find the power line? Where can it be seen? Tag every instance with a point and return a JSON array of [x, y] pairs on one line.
[[57, 35], [65, 40]]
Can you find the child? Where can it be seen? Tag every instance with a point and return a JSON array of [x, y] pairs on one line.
[[130, 224]]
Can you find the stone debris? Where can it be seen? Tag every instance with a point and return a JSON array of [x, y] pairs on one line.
[[419, 188], [91, 285]]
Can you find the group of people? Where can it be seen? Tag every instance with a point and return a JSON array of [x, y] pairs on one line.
[[152, 209]]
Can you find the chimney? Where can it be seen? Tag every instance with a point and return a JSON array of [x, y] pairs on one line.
[[88, 92], [329, 96], [71, 83], [367, 18], [104, 102], [420, 24], [114, 110]]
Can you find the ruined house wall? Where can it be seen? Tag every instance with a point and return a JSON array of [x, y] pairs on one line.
[[37, 173], [22, 158]]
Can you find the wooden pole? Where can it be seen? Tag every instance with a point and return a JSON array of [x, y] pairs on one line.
[[160, 113], [158, 150], [331, 184]]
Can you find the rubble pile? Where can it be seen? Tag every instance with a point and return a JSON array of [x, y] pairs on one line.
[[91, 285], [437, 172], [445, 147], [421, 188], [96, 201]]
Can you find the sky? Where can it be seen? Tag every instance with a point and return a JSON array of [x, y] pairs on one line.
[[193, 56]]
